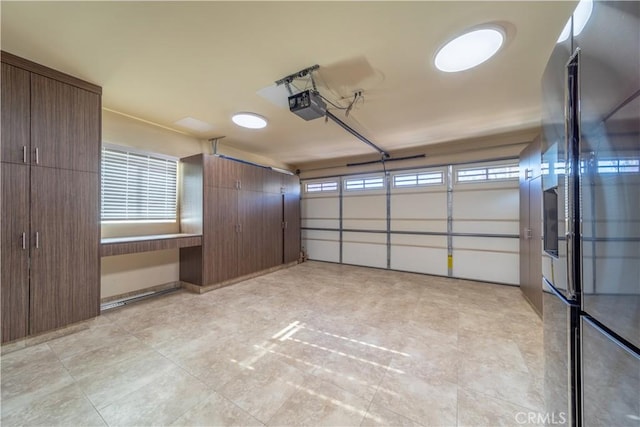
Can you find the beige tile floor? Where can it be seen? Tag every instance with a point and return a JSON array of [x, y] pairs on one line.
[[316, 344]]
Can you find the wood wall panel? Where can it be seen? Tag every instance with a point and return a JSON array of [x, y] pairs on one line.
[[14, 125], [14, 275], [65, 267], [65, 125]]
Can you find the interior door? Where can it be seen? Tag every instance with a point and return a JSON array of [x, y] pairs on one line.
[[65, 261], [14, 256]]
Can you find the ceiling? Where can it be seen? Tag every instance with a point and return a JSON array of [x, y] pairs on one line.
[[164, 61]]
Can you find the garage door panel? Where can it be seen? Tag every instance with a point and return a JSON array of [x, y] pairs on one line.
[[487, 266], [367, 249], [364, 207], [365, 224], [499, 244], [436, 225], [320, 223], [320, 207], [486, 204], [419, 206], [487, 227], [321, 245]]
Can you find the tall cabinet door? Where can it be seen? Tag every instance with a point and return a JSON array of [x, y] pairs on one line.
[[291, 212], [220, 231], [251, 244], [14, 253], [65, 125], [15, 114], [65, 282], [272, 236]]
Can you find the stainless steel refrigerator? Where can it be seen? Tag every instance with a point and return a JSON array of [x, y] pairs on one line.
[[591, 218]]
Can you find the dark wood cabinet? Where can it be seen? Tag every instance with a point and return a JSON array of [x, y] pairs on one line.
[[65, 251], [65, 125], [240, 209], [291, 213], [51, 193], [272, 233], [531, 225], [220, 235], [16, 112], [252, 246], [14, 256]]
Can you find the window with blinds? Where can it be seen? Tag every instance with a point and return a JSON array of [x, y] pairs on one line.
[[137, 186]]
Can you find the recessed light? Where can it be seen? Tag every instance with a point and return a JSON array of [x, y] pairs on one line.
[[469, 50], [249, 120], [580, 17], [194, 124]]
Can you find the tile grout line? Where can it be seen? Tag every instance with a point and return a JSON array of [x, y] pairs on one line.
[[75, 383]]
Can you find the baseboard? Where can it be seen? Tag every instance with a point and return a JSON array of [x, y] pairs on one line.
[[139, 292], [207, 288]]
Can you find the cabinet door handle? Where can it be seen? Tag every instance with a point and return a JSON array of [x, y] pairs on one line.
[[239, 185], [24, 240], [37, 156], [24, 154], [37, 240], [286, 224]]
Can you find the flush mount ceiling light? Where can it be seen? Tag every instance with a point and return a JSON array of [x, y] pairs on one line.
[[469, 50], [580, 17], [249, 120]]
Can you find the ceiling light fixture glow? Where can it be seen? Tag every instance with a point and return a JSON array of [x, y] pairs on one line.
[[469, 50], [580, 17], [194, 124], [249, 120]]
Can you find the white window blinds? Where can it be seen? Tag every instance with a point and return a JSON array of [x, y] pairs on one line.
[[137, 186]]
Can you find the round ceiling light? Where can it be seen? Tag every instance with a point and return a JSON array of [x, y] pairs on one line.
[[249, 120], [469, 50], [581, 15]]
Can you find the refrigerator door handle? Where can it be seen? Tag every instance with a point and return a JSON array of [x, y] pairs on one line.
[[572, 174]]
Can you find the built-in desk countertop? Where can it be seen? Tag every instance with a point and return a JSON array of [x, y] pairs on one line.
[[133, 244]]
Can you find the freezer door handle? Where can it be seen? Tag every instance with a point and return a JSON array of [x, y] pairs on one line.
[[617, 341]]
